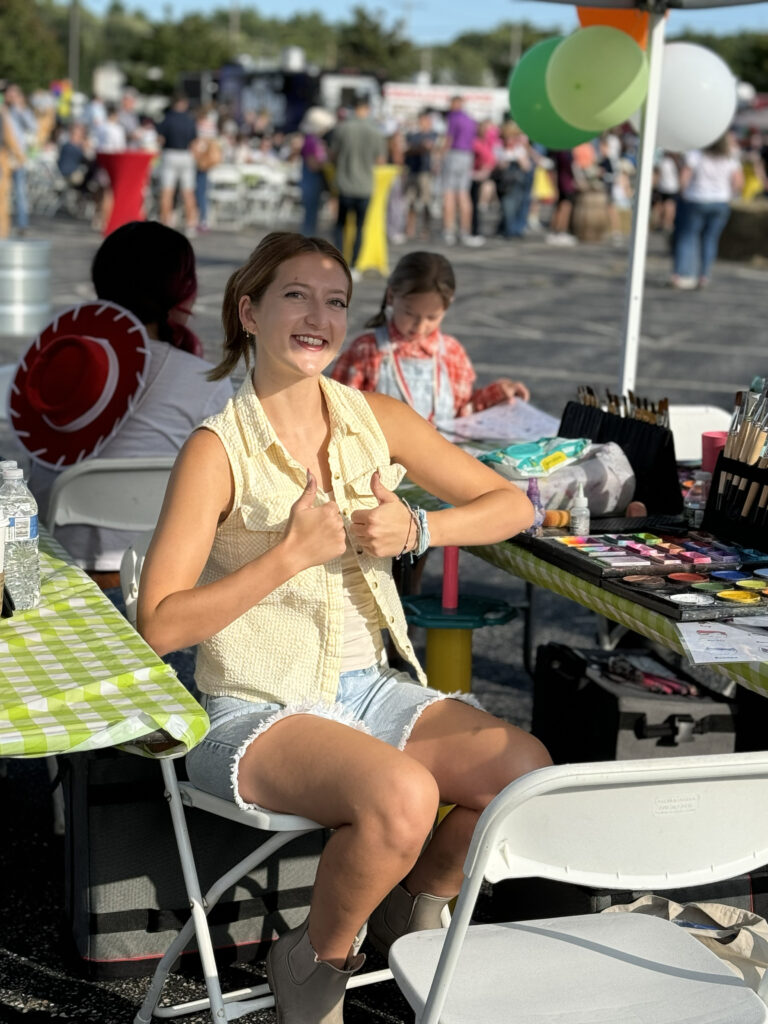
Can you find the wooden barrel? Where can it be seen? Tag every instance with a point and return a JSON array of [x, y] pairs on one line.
[[746, 234], [590, 215]]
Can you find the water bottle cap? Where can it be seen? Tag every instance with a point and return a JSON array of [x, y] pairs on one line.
[[13, 474]]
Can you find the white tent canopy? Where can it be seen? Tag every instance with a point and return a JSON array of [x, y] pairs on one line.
[[641, 210]]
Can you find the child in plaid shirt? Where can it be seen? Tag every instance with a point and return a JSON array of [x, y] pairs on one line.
[[408, 357]]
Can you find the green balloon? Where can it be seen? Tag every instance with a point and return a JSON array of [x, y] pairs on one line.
[[529, 103], [597, 77]]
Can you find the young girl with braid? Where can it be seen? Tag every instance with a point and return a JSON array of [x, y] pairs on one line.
[[407, 355], [273, 554]]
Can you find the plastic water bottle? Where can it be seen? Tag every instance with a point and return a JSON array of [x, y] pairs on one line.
[[695, 501], [22, 564]]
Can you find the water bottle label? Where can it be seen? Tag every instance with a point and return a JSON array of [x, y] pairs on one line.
[[21, 528]]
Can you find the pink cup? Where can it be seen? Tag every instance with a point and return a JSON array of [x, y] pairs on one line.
[[712, 443]]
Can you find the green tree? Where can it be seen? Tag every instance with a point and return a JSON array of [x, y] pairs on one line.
[[30, 53], [365, 44]]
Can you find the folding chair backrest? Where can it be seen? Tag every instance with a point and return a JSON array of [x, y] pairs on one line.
[[118, 494], [650, 824], [131, 565]]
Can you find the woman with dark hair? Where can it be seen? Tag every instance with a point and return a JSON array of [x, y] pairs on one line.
[[150, 270], [710, 178], [145, 279], [273, 554]]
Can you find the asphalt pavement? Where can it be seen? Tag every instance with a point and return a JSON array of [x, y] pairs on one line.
[[547, 315]]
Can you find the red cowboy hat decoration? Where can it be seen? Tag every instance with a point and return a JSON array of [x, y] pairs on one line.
[[78, 382]]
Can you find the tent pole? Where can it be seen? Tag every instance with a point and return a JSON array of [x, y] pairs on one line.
[[642, 205]]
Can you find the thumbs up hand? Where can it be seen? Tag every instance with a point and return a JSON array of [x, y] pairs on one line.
[[314, 534], [382, 531]]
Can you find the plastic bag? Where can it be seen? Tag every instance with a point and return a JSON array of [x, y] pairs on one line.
[[536, 458], [737, 936]]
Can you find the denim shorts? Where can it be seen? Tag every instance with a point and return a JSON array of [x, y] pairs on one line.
[[379, 701]]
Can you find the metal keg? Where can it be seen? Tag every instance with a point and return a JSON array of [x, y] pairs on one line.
[[25, 286]]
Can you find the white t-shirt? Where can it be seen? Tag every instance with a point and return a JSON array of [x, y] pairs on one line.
[[669, 176], [711, 178], [110, 137], [175, 400]]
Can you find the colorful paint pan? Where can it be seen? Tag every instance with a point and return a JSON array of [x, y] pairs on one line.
[[687, 577], [751, 584], [647, 582], [738, 596], [696, 600], [710, 587], [730, 575], [762, 573]]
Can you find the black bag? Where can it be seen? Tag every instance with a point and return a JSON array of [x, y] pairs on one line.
[[650, 450], [581, 716], [125, 898]]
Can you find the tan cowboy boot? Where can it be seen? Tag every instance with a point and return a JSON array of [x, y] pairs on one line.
[[306, 990], [399, 913]]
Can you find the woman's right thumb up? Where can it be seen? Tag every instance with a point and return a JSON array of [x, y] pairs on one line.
[[307, 497]]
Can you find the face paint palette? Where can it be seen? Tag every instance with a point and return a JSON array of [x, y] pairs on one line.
[[607, 555], [690, 600]]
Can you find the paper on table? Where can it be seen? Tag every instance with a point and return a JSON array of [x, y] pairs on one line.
[[508, 421], [715, 642]]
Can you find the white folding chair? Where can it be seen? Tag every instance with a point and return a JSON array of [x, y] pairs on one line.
[[688, 423], [282, 828], [119, 494], [645, 825], [226, 196]]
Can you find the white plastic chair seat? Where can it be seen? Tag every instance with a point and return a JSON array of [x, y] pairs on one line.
[[625, 968]]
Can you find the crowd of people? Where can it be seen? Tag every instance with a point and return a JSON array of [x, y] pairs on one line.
[[461, 179]]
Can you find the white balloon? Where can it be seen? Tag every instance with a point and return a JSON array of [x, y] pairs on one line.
[[697, 100]]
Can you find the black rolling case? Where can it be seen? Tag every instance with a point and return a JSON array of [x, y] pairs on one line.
[[124, 895], [582, 716]]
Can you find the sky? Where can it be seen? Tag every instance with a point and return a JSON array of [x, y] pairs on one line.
[[439, 21]]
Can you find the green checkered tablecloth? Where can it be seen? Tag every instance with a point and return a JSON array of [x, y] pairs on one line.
[[520, 562], [74, 675]]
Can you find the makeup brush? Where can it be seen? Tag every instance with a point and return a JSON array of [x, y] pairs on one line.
[[739, 409], [754, 487]]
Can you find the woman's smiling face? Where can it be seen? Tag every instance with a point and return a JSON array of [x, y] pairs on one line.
[[301, 319]]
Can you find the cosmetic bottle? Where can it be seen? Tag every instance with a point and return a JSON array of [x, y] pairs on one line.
[[580, 513], [534, 497]]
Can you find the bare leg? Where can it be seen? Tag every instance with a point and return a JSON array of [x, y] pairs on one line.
[[472, 755], [449, 212], [561, 218], [166, 205], [380, 802], [190, 208], [465, 213]]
